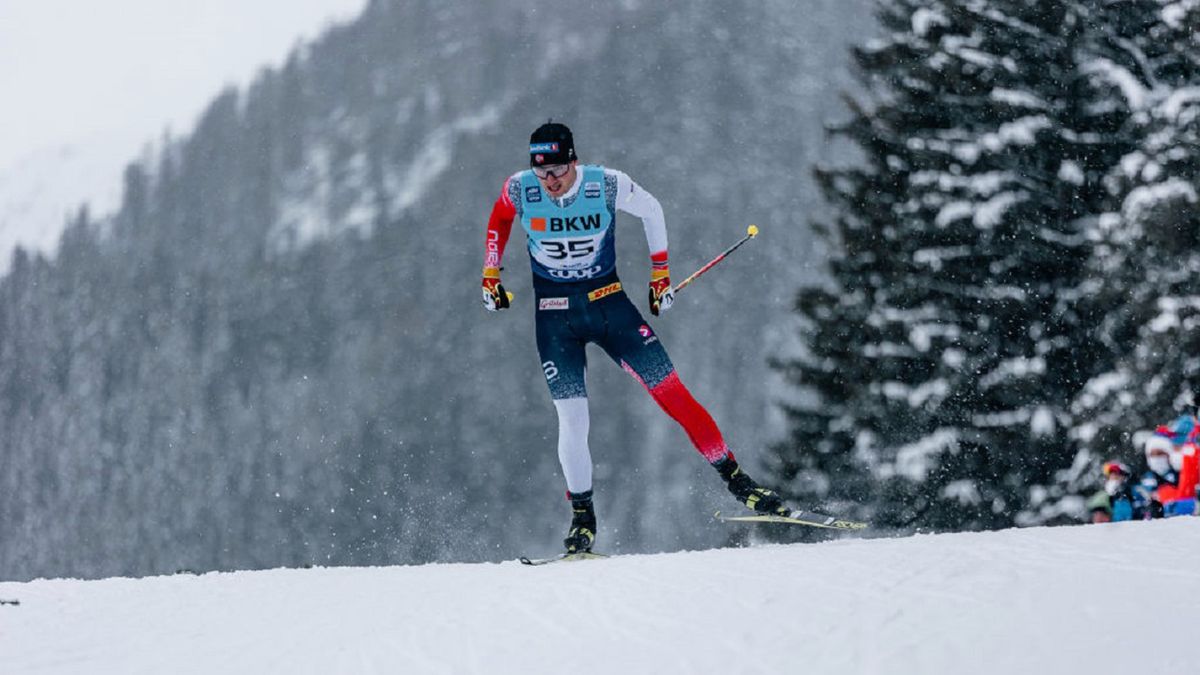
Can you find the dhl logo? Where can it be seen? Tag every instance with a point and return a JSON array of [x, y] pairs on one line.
[[604, 291]]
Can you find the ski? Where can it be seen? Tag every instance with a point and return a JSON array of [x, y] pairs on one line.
[[563, 557], [798, 517], [13, 602]]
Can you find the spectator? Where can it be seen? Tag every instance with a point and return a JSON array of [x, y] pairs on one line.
[[1179, 498], [1170, 484], [1118, 500]]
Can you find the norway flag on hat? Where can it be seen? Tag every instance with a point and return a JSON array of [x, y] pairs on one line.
[[551, 143]]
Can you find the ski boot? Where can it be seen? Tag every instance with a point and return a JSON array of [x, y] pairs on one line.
[[583, 523], [760, 499]]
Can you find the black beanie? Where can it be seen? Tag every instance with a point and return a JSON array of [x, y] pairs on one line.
[[551, 143]]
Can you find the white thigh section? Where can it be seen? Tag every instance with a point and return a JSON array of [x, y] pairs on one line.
[[573, 452]]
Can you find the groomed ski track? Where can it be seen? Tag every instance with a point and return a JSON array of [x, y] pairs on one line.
[[1098, 598]]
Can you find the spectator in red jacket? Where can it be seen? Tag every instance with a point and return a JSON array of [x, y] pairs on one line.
[[1174, 468]]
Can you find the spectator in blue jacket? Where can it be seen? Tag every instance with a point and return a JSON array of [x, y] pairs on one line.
[[1118, 500]]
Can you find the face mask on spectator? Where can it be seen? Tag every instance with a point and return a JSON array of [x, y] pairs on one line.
[[1176, 459], [1159, 464], [1158, 448], [1113, 485]]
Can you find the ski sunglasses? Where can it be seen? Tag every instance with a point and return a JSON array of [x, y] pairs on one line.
[[556, 170]]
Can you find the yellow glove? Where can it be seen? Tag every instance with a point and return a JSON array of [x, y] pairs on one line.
[[661, 294], [495, 298]]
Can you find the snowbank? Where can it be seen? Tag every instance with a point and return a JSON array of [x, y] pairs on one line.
[[1046, 600]]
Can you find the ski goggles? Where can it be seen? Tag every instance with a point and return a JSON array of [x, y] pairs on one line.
[[556, 170]]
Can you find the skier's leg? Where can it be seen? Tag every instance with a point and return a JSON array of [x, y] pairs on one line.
[[573, 452], [563, 358], [632, 343], [674, 398], [564, 362]]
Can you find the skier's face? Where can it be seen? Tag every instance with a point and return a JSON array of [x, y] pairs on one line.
[[556, 185]]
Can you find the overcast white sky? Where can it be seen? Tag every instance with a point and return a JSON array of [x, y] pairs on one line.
[[86, 84], [72, 68]]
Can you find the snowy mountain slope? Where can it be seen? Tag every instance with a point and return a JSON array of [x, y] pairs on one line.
[[320, 388], [1061, 600], [87, 87], [39, 193]]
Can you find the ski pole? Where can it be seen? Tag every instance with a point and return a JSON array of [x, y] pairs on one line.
[[751, 232]]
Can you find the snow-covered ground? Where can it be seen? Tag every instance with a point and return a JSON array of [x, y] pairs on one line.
[[1099, 598]]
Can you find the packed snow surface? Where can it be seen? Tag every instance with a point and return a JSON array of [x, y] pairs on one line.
[[1096, 598]]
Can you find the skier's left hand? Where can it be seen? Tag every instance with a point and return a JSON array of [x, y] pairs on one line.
[[661, 294]]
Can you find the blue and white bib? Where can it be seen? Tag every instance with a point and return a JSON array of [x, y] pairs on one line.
[[572, 239]]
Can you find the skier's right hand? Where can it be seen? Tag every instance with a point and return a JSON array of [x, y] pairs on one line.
[[495, 298]]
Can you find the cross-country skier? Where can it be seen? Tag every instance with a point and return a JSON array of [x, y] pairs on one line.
[[569, 215]]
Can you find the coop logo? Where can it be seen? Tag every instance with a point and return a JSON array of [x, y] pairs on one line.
[[575, 274]]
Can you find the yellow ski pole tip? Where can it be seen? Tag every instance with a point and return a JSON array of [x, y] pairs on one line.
[[752, 230], [510, 295]]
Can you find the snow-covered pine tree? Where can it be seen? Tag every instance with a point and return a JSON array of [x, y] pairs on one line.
[[942, 358], [1147, 257]]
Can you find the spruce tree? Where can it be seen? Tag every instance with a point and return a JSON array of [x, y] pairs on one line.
[[942, 357], [1146, 263]]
